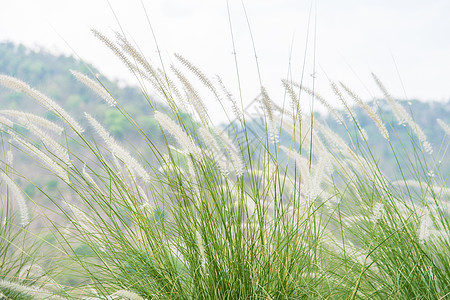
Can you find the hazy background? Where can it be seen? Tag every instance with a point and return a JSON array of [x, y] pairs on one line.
[[404, 42]]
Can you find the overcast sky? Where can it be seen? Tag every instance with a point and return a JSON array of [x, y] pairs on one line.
[[405, 42]]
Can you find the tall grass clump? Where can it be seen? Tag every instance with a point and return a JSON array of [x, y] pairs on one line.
[[24, 273], [209, 212]]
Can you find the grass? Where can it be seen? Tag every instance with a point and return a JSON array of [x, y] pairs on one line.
[[214, 214]]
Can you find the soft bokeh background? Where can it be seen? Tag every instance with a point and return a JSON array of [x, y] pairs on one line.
[[404, 42]]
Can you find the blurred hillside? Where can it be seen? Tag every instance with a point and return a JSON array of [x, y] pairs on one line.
[[50, 74], [425, 114], [403, 140]]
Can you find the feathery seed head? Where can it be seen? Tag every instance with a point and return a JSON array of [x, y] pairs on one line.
[[425, 227], [182, 138], [232, 151], [125, 294], [9, 158], [197, 72], [47, 161], [5, 121], [192, 96], [35, 292], [89, 178], [97, 88], [236, 110], [24, 118], [403, 117], [58, 150], [201, 249], [14, 83], [216, 152], [118, 151], [113, 48], [83, 219], [267, 105], [18, 196], [444, 126], [350, 114], [138, 57], [370, 112], [142, 194], [295, 102], [377, 211], [303, 166], [336, 115], [49, 104], [400, 113]]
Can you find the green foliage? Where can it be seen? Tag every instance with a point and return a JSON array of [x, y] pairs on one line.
[[116, 123], [83, 250], [74, 101], [52, 184], [30, 189]]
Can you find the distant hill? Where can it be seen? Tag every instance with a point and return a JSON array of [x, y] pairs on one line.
[[425, 115], [50, 74]]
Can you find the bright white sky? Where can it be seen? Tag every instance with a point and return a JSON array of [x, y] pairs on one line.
[[353, 39]]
